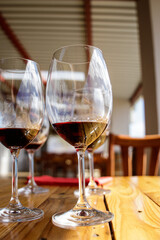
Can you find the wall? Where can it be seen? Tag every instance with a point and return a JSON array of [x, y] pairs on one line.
[[149, 19], [120, 116], [155, 20]]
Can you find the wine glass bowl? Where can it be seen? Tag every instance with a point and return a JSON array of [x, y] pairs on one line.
[[84, 122], [79, 103], [31, 148], [21, 115]]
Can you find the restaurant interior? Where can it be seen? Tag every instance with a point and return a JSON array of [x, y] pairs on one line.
[[126, 32]]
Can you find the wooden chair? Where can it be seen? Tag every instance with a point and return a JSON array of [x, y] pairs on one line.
[[138, 156], [55, 164]]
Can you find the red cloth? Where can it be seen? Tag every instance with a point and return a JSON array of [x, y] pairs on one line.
[[48, 180]]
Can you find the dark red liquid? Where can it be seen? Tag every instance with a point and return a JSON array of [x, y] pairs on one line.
[[33, 146], [80, 134], [14, 138]]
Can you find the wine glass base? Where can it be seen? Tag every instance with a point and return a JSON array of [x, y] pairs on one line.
[[93, 191], [81, 218], [32, 190], [96, 191], [20, 214]]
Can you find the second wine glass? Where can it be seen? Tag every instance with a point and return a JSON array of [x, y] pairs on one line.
[[92, 188], [79, 103], [31, 148]]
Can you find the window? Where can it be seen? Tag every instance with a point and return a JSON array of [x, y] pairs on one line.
[[137, 119]]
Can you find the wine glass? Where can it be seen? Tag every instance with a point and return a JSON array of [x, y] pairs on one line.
[[31, 148], [92, 188], [21, 116], [79, 103]]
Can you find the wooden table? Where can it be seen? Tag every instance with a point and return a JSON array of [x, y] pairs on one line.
[[135, 202]]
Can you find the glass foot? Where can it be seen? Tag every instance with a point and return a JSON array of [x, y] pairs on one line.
[[32, 190], [78, 218], [93, 191], [20, 214], [96, 191]]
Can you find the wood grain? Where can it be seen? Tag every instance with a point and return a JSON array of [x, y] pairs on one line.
[[58, 199], [150, 187], [136, 215], [133, 200]]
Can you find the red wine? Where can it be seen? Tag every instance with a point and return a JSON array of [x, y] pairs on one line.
[[33, 146], [15, 138], [80, 134]]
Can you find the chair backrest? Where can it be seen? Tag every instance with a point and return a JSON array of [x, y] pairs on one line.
[[138, 156]]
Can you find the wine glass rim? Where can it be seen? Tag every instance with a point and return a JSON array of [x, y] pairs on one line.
[[19, 58], [74, 45]]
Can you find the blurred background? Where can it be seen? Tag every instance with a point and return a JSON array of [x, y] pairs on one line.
[[128, 34]]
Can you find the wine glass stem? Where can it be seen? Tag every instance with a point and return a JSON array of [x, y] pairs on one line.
[[82, 198], [91, 167], [31, 181], [82, 201], [14, 201]]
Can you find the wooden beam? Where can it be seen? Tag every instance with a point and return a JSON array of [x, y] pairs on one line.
[[13, 38], [136, 93], [88, 21]]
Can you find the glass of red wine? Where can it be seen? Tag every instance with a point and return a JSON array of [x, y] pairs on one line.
[[21, 116], [31, 148], [79, 103]]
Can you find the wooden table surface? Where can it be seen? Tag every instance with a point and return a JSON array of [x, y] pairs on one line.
[[135, 202]]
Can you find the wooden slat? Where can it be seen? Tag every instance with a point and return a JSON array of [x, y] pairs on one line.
[[154, 161], [150, 186], [88, 21], [46, 16], [136, 215], [42, 3], [116, 11], [45, 9], [115, 30], [140, 161], [46, 22], [49, 28], [110, 3], [110, 17], [127, 164], [115, 24]]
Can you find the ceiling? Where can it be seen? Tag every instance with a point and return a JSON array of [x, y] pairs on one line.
[[37, 27]]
